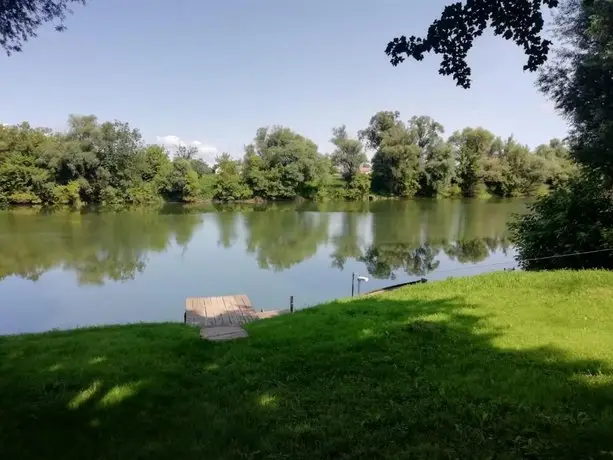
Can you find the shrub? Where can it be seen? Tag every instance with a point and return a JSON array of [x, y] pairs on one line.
[[69, 193], [207, 186], [358, 188], [25, 197], [109, 196], [143, 194], [577, 218]]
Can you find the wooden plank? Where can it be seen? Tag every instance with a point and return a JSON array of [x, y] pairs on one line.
[[208, 309], [231, 308], [213, 311], [244, 300], [189, 302], [241, 309], [227, 315], [237, 314], [210, 317], [245, 307], [202, 308], [221, 316], [193, 319]]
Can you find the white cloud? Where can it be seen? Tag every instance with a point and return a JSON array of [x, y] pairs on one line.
[[205, 151]]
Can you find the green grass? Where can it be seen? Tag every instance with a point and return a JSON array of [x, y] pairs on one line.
[[508, 365]]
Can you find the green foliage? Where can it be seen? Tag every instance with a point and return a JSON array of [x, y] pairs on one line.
[[108, 163], [512, 170], [144, 194], [395, 164], [69, 194], [155, 167], [110, 196], [94, 162], [229, 185], [438, 170], [358, 188], [20, 20], [349, 154], [379, 124], [414, 158], [191, 189], [577, 218], [396, 160], [282, 165], [472, 145], [579, 80], [559, 167], [453, 34], [207, 186]]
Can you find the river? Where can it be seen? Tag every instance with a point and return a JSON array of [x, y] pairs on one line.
[[70, 269]]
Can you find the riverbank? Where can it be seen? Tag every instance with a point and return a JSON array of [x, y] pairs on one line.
[[501, 365]]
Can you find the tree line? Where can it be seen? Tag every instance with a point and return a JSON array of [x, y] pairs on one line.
[[108, 163]]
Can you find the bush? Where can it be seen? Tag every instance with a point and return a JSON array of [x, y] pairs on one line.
[[453, 191], [207, 186], [577, 218], [143, 194], [25, 197], [109, 196], [358, 188], [69, 193], [191, 189]]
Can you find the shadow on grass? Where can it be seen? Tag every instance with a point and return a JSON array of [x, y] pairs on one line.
[[375, 378]]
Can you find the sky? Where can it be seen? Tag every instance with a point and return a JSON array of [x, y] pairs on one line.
[[210, 73]]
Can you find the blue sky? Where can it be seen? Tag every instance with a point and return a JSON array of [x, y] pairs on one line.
[[214, 71]]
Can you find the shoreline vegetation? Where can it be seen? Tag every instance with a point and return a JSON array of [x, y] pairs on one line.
[[107, 163], [511, 364]]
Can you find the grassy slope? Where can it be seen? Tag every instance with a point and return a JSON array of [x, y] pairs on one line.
[[497, 366]]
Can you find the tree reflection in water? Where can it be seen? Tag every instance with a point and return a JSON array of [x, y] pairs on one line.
[[97, 246], [388, 237]]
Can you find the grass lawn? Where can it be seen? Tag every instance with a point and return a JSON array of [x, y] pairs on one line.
[[507, 365]]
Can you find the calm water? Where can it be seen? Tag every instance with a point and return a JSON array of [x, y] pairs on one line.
[[69, 269]]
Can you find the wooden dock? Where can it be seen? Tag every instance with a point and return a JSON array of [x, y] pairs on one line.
[[222, 318]]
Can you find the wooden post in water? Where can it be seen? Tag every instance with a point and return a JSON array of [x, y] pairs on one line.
[[352, 283], [291, 304]]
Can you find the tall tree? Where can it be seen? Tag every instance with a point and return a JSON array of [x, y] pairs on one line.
[[579, 80], [578, 218], [435, 156], [379, 124], [438, 171], [453, 34], [559, 167], [426, 132], [472, 146], [395, 165], [348, 155], [20, 19], [229, 185], [282, 164]]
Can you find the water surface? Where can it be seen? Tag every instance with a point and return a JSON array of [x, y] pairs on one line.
[[68, 269]]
